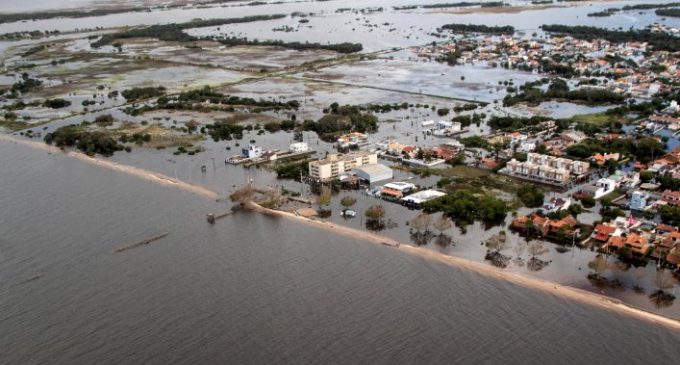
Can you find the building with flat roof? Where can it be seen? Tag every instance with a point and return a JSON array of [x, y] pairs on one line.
[[416, 199], [373, 172], [335, 165], [396, 190], [546, 168]]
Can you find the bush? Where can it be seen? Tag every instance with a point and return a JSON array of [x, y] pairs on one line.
[[530, 195], [56, 103]]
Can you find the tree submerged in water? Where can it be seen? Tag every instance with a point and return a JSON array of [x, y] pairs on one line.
[[660, 297], [421, 223], [375, 216], [442, 224], [495, 244], [535, 249]]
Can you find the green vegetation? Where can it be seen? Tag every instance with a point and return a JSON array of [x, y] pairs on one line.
[[598, 119], [342, 119], [461, 4], [25, 85], [650, 6], [292, 170], [375, 215], [223, 130], [175, 32], [605, 13], [670, 214], [89, 142], [674, 12], [195, 100], [57, 103], [513, 123], [104, 120], [348, 201], [659, 41], [644, 148], [559, 90], [466, 207], [530, 195], [474, 142], [479, 28], [16, 17], [138, 93], [466, 120]]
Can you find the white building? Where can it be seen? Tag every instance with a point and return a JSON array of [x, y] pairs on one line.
[[604, 187], [252, 151], [527, 146], [299, 147], [373, 172], [334, 165], [421, 197]]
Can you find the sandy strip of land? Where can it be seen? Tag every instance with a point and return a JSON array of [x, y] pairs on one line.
[[154, 177], [486, 270]]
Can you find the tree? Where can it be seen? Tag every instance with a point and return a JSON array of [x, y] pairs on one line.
[[536, 248], [599, 264], [421, 222], [274, 198], [375, 215], [530, 195], [243, 194], [324, 199], [376, 212], [442, 224], [498, 242], [670, 214], [575, 209], [348, 201], [663, 281], [612, 165]]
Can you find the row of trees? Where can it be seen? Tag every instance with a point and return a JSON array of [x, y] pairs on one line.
[[659, 41], [466, 207], [559, 90], [342, 119], [645, 149], [176, 33], [479, 28], [89, 142]]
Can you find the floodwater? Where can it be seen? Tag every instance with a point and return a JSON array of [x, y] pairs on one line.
[[254, 289], [231, 293]]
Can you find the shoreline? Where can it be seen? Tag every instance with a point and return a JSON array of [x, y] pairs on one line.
[[560, 290], [154, 177]]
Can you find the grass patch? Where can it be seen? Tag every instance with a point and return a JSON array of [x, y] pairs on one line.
[[598, 119]]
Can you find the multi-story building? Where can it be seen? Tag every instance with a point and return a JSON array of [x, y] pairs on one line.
[[336, 164], [547, 168]]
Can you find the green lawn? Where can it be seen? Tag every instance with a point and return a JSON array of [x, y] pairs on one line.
[[595, 118]]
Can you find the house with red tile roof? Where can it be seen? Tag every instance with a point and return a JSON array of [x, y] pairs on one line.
[[603, 232], [671, 197]]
